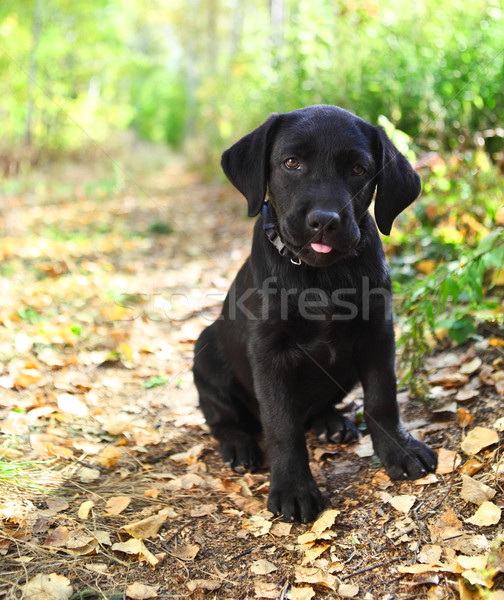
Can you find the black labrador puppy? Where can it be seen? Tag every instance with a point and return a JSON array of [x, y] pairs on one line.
[[309, 313]]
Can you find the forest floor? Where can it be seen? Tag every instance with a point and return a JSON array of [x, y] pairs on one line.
[[111, 486]]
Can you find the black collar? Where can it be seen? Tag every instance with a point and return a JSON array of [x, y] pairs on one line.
[[274, 236]]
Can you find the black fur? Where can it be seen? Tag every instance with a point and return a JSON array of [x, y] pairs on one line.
[[293, 340]]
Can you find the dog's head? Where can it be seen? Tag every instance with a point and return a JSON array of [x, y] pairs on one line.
[[320, 166]]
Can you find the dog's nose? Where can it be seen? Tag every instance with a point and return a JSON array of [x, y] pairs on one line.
[[322, 219]]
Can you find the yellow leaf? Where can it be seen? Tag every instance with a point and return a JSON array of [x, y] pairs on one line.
[[117, 504], [149, 527], [325, 521], [487, 514], [479, 438]]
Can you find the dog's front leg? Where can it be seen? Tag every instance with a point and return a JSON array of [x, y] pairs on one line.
[[402, 455], [293, 493]]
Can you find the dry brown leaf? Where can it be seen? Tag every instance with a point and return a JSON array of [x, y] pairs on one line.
[[87, 474], [84, 509], [266, 589], [487, 514], [134, 546], [117, 504], [47, 587], [464, 417], [475, 491], [149, 527], [364, 447], [429, 479], [58, 538], [471, 467], [348, 590], [152, 493], [189, 456], [258, 524], [448, 378], [448, 461], [311, 553], [203, 510], [186, 552], [466, 395], [473, 562], [281, 529], [297, 593], [315, 576], [203, 584], [109, 456], [262, 567], [479, 438], [471, 367], [252, 506], [73, 405], [430, 554], [79, 539], [403, 503], [325, 521], [140, 591]]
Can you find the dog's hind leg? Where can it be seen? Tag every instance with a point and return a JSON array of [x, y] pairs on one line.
[[221, 400]]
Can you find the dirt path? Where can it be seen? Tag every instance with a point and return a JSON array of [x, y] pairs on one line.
[[106, 279]]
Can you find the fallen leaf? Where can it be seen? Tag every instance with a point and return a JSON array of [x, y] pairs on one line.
[[262, 567], [315, 576], [186, 552], [325, 521], [473, 562], [258, 524], [149, 527], [479, 438], [297, 593], [348, 590], [471, 367], [475, 491], [85, 508], [190, 455], [487, 514], [134, 546], [58, 538], [73, 405], [311, 553], [364, 447], [140, 591], [466, 395], [464, 417], [109, 456], [266, 589], [430, 554], [117, 504], [403, 503], [448, 461], [203, 510], [203, 584], [471, 467], [47, 587], [281, 529], [448, 378], [429, 479]]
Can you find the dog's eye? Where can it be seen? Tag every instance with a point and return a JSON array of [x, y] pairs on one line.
[[292, 163], [358, 170]]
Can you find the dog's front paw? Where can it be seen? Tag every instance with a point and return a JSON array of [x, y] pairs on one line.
[[407, 458], [299, 501], [331, 426]]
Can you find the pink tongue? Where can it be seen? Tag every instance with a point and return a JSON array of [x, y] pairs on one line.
[[322, 248]]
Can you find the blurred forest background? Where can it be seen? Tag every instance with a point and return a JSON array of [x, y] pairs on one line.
[[195, 75]]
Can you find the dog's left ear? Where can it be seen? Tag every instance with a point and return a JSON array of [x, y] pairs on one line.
[[246, 164], [397, 183]]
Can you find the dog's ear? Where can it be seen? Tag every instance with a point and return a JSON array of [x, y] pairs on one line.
[[246, 164], [397, 183]]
